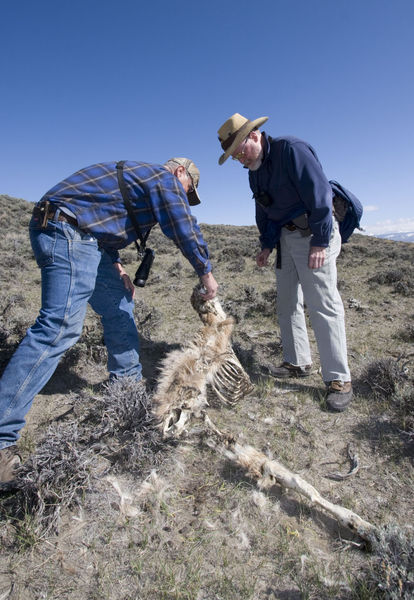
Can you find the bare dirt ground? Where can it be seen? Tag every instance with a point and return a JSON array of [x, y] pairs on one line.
[[188, 524]]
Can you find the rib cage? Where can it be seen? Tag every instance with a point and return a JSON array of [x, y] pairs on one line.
[[182, 395], [208, 359]]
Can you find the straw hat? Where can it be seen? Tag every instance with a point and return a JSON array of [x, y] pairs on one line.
[[234, 131]]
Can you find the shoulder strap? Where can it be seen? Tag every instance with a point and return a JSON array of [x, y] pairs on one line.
[[128, 205]]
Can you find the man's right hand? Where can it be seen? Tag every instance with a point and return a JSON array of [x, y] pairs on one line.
[[210, 284], [263, 257]]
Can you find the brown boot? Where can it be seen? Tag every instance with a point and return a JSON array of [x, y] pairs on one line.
[[288, 370], [9, 463], [339, 395]]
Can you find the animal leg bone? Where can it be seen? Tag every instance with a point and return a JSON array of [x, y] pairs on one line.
[[267, 472]]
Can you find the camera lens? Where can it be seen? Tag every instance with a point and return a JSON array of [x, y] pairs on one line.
[[144, 268]]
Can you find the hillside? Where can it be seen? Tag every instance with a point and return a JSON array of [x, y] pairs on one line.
[[110, 512]]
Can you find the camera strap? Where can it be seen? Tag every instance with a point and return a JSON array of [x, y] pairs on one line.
[[128, 205]]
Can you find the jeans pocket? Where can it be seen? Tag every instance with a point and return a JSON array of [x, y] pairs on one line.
[[43, 244]]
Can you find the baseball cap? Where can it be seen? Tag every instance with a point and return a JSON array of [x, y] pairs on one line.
[[189, 166]]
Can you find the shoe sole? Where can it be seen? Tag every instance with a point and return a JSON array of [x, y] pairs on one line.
[[289, 375], [340, 407]]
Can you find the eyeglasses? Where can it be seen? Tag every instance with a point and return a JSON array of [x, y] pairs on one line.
[[191, 188], [239, 155]]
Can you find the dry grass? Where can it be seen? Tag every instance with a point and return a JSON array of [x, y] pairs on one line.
[[106, 511]]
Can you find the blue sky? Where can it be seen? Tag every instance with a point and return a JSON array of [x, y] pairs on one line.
[[93, 80]]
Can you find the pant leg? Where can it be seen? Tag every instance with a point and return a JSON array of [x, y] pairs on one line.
[[68, 260], [290, 310], [113, 302], [324, 304]]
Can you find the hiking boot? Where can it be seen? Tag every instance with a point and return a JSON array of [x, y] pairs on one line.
[[288, 370], [339, 395], [9, 463]]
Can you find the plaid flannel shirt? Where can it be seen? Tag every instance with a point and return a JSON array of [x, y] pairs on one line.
[[157, 196]]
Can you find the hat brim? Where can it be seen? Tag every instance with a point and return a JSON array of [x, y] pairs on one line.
[[241, 135], [193, 198]]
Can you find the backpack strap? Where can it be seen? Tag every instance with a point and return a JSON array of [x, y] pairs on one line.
[[128, 205]]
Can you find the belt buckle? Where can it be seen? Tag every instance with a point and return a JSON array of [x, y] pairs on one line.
[[44, 211]]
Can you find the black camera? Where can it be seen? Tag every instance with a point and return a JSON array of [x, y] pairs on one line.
[[144, 268]]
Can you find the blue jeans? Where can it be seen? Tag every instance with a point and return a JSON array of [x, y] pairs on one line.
[[74, 271]]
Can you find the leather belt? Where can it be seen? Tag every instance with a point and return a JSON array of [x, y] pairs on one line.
[[291, 226], [45, 211]]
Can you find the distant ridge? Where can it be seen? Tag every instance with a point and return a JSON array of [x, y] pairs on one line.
[[406, 236]]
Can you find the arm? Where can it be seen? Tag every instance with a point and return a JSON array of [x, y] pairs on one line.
[[269, 235], [315, 191], [306, 174], [171, 210], [269, 230]]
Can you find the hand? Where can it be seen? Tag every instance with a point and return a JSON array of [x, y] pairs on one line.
[[125, 278], [316, 257], [210, 284], [263, 257]]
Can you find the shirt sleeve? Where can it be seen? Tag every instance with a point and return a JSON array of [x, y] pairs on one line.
[[171, 210], [314, 190], [269, 230]]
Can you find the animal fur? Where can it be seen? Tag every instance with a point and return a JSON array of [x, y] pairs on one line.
[[208, 359], [182, 395]]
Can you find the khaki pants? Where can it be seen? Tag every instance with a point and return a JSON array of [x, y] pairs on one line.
[[298, 284]]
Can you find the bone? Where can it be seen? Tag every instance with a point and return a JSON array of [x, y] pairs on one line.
[[181, 398]]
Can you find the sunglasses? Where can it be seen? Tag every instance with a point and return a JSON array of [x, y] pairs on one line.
[[239, 155]]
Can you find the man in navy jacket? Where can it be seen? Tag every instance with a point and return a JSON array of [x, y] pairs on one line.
[[294, 213]]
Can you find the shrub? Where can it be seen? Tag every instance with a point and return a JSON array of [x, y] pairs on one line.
[[407, 334], [126, 427], [393, 565], [388, 277], [401, 279], [383, 377], [55, 476], [117, 426]]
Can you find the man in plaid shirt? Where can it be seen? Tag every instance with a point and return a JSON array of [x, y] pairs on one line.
[[76, 231]]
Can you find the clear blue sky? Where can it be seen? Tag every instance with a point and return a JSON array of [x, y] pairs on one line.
[[84, 81]]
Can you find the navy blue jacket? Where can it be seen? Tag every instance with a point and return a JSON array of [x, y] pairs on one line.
[[292, 178]]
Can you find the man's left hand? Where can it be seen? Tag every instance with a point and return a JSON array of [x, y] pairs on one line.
[[125, 278], [316, 257]]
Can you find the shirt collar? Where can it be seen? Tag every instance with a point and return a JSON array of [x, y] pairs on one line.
[[266, 149]]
